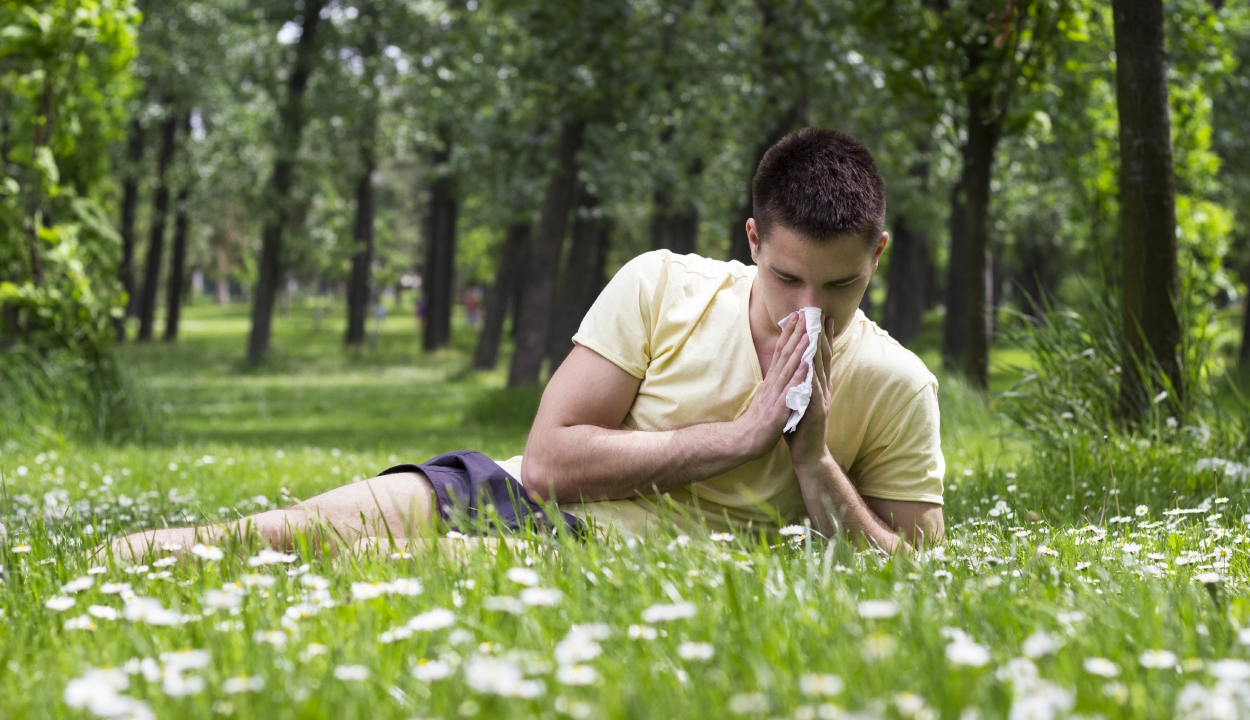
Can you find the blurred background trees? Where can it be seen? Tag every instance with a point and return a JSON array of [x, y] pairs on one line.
[[502, 158]]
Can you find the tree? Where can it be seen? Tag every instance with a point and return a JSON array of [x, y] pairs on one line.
[[910, 275], [359, 286], [440, 258], [583, 273], [130, 205], [580, 66], [785, 104], [278, 191], [1151, 326], [176, 289], [534, 315], [156, 231], [64, 83], [501, 294], [977, 59]]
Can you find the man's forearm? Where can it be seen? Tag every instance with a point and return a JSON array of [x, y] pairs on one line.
[[584, 462], [828, 494]]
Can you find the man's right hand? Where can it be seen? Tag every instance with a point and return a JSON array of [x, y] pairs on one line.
[[578, 449], [760, 426]]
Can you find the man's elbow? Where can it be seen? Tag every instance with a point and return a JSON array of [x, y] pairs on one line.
[[927, 530], [539, 478]]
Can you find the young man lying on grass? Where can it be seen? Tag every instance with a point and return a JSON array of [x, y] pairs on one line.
[[677, 385]]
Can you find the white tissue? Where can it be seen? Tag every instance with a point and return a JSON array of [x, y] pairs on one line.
[[800, 395]]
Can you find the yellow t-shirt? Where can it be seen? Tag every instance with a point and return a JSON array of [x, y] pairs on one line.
[[679, 323]]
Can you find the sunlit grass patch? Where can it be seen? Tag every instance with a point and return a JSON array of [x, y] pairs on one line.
[[1117, 619], [1036, 605]]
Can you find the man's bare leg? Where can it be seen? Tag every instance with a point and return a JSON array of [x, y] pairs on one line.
[[402, 504]]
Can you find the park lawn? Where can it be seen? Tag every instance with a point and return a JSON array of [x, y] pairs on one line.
[[1139, 617]]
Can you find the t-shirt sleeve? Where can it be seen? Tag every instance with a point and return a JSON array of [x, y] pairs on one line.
[[621, 323], [904, 459]]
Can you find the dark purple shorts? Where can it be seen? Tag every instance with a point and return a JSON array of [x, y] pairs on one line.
[[467, 482]]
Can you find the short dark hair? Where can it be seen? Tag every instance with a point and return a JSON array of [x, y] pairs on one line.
[[821, 183]]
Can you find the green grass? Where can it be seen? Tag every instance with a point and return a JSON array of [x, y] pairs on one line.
[[770, 611]]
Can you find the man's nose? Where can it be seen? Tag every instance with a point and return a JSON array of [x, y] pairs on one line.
[[808, 298]]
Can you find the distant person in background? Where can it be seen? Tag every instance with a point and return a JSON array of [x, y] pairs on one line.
[[379, 320], [473, 304], [421, 305]]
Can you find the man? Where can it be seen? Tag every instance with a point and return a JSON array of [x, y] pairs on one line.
[[677, 385]]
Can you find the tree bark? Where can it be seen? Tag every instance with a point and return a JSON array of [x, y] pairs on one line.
[[774, 66], [978, 171], [1151, 326], [130, 205], [1037, 273], [673, 227], [953, 327], [500, 295], [794, 118], [360, 282], [534, 315], [174, 292], [156, 235], [590, 231], [278, 191], [518, 288], [440, 255], [907, 290]]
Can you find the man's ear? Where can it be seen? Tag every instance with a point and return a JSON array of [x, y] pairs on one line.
[[877, 251], [753, 239]]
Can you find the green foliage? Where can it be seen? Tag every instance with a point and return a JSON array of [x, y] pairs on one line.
[[65, 79], [63, 84], [58, 396], [1084, 460]]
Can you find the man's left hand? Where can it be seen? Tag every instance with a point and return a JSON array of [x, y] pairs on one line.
[[809, 442]]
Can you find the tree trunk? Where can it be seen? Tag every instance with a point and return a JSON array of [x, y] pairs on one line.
[[953, 327], [1037, 268], [775, 65], [156, 235], [130, 205], [673, 228], [278, 192], [794, 118], [177, 266], [907, 289], [440, 255], [223, 275], [1151, 326], [360, 282], [534, 316], [978, 171], [500, 295], [517, 299], [580, 281]]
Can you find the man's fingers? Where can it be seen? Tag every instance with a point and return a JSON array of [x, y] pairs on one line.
[[826, 356], [783, 353], [797, 334], [788, 324], [794, 360]]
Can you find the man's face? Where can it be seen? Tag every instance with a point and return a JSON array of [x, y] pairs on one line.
[[795, 272]]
